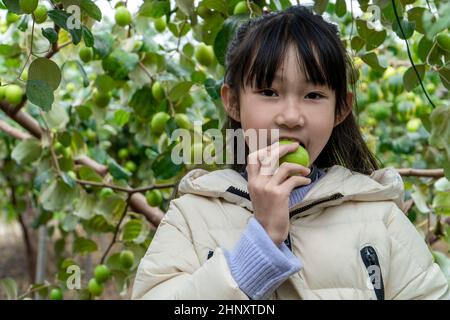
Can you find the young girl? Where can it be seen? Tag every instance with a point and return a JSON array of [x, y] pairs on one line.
[[333, 230]]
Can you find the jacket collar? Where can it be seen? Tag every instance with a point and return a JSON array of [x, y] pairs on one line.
[[338, 185]]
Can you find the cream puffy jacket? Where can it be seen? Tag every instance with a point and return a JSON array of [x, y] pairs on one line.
[[349, 231]]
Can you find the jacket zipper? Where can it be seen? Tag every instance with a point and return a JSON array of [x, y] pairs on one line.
[[334, 196], [370, 259]]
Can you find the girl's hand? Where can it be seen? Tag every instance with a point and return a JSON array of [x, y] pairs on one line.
[[270, 187]]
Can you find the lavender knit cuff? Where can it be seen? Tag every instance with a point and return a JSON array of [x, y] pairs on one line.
[[258, 265]]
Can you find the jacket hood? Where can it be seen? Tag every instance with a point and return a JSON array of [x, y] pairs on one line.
[[338, 185]]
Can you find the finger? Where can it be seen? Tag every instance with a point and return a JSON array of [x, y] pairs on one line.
[[287, 169], [255, 158], [270, 163], [294, 181]]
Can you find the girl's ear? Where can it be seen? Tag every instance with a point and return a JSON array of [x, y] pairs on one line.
[[230, 102], [347, 110]]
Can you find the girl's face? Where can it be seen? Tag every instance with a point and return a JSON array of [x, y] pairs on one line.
[[299, 110]]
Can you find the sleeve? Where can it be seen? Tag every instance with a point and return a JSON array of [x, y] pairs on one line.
[[171, 269], [258, 265], [413, 274]]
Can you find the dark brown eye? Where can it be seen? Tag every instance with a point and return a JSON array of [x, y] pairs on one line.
[[267, 92], [314, 95]]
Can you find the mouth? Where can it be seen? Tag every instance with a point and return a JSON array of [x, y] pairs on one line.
[[294, 140]]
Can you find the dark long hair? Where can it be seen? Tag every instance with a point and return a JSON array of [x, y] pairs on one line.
[[255, 53]]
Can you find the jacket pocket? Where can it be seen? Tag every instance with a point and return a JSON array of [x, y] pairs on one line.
[[370, 259]]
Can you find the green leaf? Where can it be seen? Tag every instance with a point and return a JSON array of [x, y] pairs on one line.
[[9, 286], [441, 203], [375, 39], [111, 208], [407, 28], [186, 6], [57, 196], [154, 9], [341, 8], [103, 43], [45, 70], [117, 171], [213, 88], [84, 246], [68, 180], [119, 63], [410, 80], [143, 103], [121, 117], [163, 166], [91, 9], [132, 229], [83, 73], [443, 262], [10, 51], [13, 6], [179, 90], [50, 34], [40, 94], [218, 5], [320, 6], [372, 60], [442, 184], [87, 36], [225, 35], [420, 200], [57, 117], [423, 48], [357, 43], [85, 205], [27, 151], [88, 174], [98, 223], [416, 15]]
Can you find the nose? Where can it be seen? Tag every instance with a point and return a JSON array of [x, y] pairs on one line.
[[291, 114]]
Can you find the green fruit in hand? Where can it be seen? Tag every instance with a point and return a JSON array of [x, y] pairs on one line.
[[159, 121], [241, 7], [154, 197], [13, 94], [182, 121], [126, 259], [160, 24], [95, 288], [413, 124], [40, 14], [11, 17], [157, 91], [443, 40], [102, 273], [123, 153], [56, 294], [28, 6], [101, 99], [106, 192], [122, 16], [204, 54], [86, 54], [299, 156]]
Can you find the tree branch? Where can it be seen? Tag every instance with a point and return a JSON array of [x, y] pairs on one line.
[[411, 172], [153, 214]]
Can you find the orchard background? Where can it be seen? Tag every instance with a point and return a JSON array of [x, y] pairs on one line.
[[89, 97]]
